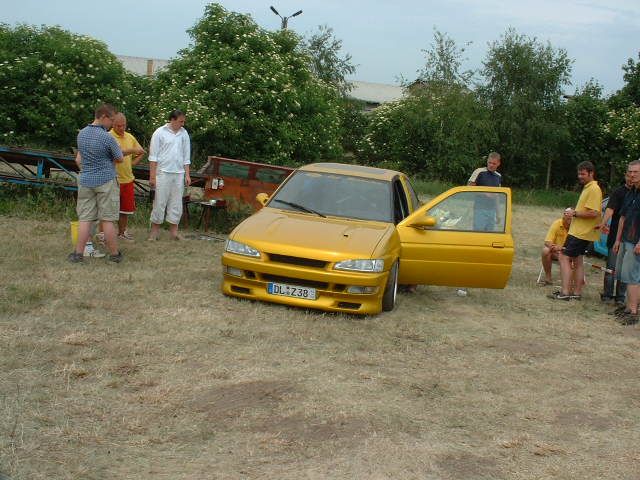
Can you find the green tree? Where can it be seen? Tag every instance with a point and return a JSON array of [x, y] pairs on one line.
[[586, 115], [443, 62], [331, 67], [439, 133], [439, 130], [523, 82], [623, 119], [51, 81], [354, 121], [249, 93], [629, 94], [624, 125], [326, 62]]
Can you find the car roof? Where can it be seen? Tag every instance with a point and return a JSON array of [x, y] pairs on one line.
[[355, 170]]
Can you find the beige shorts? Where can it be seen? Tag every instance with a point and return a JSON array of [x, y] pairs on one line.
[[99, 203]]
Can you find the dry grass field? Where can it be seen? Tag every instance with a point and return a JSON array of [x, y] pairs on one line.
[[143, 370]]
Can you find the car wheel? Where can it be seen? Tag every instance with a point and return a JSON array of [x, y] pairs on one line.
[[390, 289]]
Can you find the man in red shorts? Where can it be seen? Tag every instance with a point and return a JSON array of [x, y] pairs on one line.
[[133, 153]]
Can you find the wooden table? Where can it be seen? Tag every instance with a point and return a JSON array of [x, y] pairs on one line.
[[207, 207]]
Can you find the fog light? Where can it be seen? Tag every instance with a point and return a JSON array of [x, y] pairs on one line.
[[236, 272], [360, 290]]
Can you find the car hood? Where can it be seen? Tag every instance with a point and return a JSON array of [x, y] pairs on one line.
[[306, 235]]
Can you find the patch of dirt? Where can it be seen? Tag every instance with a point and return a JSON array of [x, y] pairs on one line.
[[633, 332], [520, 347], [583, 419], [546, 450], [80, 339], [467, 466], [414, 337], [301, 430], [227, 401], [126, 369]]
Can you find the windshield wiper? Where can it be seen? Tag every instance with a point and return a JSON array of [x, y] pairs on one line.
[[297, 206]]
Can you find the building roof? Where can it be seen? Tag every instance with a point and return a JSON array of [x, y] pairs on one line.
[[375, 92]]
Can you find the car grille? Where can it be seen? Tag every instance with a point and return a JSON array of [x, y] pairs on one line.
[[303, 262], [295, 281]]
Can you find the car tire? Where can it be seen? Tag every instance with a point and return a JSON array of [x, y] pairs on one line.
[[390, 289]]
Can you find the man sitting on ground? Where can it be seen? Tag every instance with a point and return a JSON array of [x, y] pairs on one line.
[[553, 243]]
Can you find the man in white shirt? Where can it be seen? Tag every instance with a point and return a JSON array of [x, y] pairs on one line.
[[169, 160]]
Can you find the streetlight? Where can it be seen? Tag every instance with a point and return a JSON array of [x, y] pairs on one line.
[[285, 20]]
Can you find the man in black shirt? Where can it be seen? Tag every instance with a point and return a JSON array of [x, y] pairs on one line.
[[485, 214], [612, 213], [627, 246]]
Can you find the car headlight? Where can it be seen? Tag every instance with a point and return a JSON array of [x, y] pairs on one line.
[[376, 265], [241, 249]]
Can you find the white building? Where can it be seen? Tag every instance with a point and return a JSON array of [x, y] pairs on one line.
[[142, 66]]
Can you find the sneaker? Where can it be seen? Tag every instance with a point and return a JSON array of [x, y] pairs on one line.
[[619, 310], [559, 296], [92, 252], [628, 319], [574, 296], [100, 238], [126, 236], [117, 258], [75, 257]]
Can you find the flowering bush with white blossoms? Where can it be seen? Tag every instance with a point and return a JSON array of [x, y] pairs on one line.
[[249, 93], [50, 83], [624, 125]]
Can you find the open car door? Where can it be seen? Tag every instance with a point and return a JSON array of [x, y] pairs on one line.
[[462, 238]]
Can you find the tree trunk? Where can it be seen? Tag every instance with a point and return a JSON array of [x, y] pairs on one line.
[[548, 180]]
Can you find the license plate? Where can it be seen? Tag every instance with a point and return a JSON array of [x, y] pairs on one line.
[[295, 291]]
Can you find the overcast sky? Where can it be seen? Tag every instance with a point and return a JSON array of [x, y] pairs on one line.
[[385, 38]]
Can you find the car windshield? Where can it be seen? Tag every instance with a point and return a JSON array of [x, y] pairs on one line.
[[335, 195]]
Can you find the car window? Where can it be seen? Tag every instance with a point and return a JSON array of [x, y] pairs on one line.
[[337, 195], [400, 205], [415, 202], [471, 212]]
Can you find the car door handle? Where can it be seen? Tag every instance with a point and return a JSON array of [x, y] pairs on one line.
[[497, 245]]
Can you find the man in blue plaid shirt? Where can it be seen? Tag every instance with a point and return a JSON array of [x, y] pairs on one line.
[[98, 190]]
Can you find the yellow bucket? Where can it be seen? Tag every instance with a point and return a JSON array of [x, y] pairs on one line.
[[74, 232]]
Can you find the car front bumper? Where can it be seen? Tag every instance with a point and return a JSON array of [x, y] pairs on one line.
[[251, 277]]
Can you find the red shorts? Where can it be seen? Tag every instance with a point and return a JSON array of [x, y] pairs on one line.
[[127, 198]]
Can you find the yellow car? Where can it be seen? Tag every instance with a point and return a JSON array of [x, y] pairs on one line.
[[341, 238]]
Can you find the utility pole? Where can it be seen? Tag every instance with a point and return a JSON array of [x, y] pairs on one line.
[[285, 20]]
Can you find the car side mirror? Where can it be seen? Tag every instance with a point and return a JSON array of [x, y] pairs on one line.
[[262, 198], [424, 222]]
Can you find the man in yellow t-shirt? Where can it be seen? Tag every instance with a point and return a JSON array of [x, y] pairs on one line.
[[132, 152], [553, 242], [583, 230]]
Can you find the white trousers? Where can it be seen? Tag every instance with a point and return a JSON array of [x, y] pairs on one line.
[[167, 203]]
